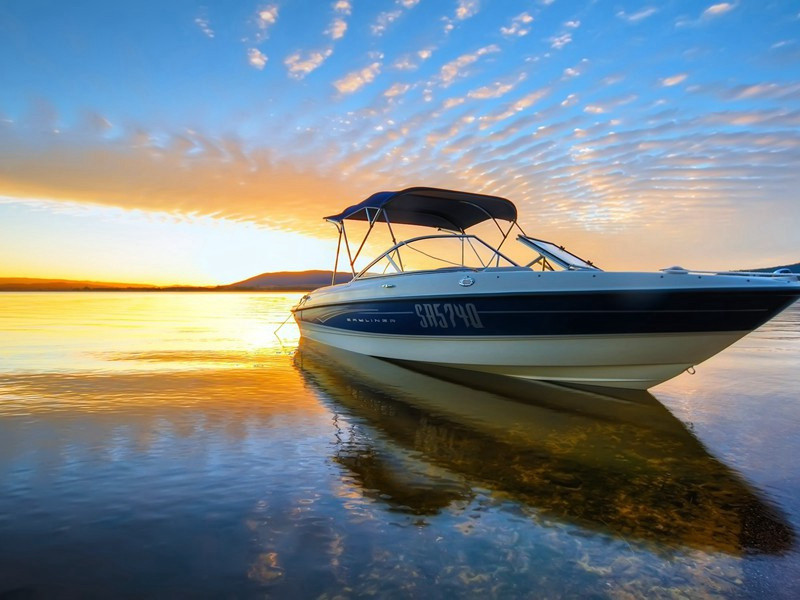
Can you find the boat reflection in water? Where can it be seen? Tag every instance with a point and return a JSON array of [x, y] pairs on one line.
[[620, 464]]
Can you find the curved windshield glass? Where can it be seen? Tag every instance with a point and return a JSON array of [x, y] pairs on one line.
[[551, 256], [436, 252]]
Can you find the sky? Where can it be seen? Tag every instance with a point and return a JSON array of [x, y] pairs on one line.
[[203, 142]]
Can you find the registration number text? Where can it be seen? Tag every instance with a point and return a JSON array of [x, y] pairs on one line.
[[448, 315]]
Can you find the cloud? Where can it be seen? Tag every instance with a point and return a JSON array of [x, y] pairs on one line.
[[674, 80], [299, 66], [713, 11], [782, 44], [774, 117], [454, 69], [513, 108], [383, 21], [770, 90], [570, 100], [448, 131], [410, 62], [767, 90], [453, 102], [717, 9], [572, 24], [558, 42], [609, 105], [639, 15], [467, 9], [405, 63], [355, 80], [96, 123], [398, 89], [267, 16], [577, 69], [336, 29], [612, 80], [343, 7], [519, 26], [388, 17], [496, 89], [204, 25], [187, 174], [256, 58], [464, 10]]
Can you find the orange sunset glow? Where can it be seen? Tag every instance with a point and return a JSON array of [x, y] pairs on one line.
[[202, 143]]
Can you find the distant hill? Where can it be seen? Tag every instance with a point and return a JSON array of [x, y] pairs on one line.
[[289, 280], [795, 268], [29, 284], [300, 281]]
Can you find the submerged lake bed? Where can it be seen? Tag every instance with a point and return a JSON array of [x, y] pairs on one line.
[[167, 444]]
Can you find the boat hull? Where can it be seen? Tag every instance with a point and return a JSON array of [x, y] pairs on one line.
[[640, 333], [637, 361]]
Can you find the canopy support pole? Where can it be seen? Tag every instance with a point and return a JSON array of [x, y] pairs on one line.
[[394, 240], [347, 245], [364, 241], [503, 233], [505, 237], [336, 262]]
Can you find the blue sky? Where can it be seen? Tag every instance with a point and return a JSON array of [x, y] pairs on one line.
[[671, 128]]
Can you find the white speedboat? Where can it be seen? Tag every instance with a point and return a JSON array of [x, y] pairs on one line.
[[452, 299]]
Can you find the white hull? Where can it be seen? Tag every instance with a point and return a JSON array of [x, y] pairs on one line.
[[637, 361]]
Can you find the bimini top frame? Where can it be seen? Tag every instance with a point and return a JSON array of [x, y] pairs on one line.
[[441, 209], [430, 207]]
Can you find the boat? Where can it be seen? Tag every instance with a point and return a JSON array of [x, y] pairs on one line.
[[453, 299]]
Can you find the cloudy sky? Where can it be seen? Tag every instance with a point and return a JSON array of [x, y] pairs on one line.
[[202, 142]]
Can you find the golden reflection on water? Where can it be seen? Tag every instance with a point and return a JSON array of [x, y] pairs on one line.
[[114, 352], [117, 331]]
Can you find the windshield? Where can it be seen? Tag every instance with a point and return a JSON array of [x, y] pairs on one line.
[[437, 252], [551, 255]]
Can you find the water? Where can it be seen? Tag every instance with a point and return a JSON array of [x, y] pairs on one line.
[[169, 445]]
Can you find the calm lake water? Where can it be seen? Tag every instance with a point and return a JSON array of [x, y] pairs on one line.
[[170, 445]]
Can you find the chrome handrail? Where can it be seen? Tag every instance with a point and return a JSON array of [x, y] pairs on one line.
[[468, 237], [781, 273]]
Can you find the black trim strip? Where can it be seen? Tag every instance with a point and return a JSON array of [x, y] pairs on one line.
[[653, 311]]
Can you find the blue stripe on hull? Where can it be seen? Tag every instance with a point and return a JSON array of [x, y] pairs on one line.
[[556, 314]]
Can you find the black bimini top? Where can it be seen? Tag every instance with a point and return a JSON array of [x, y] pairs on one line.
[[430, 207]]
